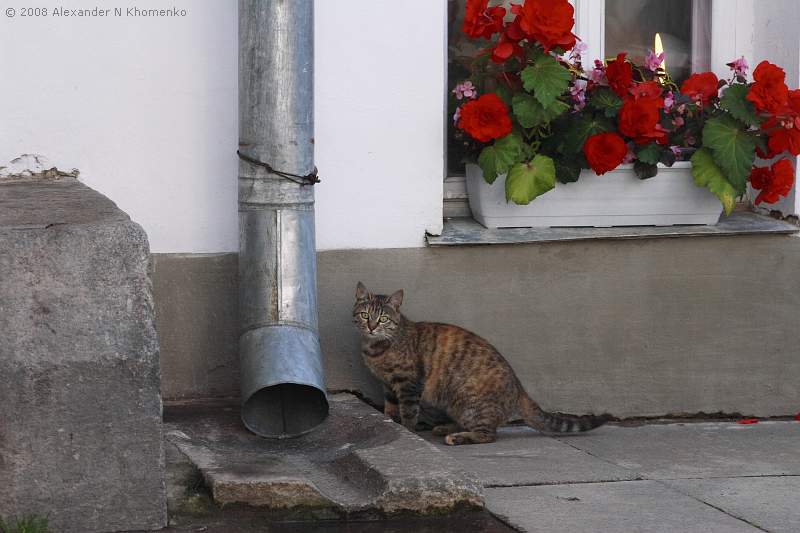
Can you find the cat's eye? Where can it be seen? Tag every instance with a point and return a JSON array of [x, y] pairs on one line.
[[365, 316], [383, 319]]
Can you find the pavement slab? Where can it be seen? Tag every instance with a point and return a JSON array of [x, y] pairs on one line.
[[357, 461], [771, 503], [628, 506], [523, 456], [697, 450]]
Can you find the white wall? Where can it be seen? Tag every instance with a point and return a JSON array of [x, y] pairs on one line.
[[379, 89], [146, 109]]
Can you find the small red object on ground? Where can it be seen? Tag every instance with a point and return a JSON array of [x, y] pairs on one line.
[[797, 417], [748, 421]]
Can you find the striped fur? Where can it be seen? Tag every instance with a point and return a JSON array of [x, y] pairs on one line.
[[449, 369]]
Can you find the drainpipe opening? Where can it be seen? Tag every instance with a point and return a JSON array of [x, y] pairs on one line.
[[265, 412]]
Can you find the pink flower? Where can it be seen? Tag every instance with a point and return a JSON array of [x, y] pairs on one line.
[[578, 92], [676, 150], [598, 73], [678, 122], [653, 60], [465, 89], [456, 116], [669, 101], [630, 157], [579, 49], [739, 67]]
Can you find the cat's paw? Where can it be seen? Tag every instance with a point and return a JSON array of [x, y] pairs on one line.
[[455, 439], [446, 429], [470, 437]]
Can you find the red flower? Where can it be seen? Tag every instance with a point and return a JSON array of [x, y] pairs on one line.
[[769, 93], [773, 182], [548, 22], [748, 421], [639, 120], [605, 151], [486, 118], [794, 100], [514, 30], [482, 21], [760, 177], [648, 89], [620, 75], [507, 47], [701, 87], [766, 72], [784, 140]]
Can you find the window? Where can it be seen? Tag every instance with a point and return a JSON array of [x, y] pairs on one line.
[[608, 27], [680, 28]]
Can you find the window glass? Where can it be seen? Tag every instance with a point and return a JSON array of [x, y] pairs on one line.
[[682, 25]]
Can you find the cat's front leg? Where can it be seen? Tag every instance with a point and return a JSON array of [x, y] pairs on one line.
[[408, 394], [390, 406]]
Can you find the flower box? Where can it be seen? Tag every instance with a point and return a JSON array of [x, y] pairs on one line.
[[556, 131], [617, 198]]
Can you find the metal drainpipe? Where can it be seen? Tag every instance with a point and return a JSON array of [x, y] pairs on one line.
[[282, 379]]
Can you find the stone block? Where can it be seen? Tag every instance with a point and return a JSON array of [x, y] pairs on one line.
[[80, 407]]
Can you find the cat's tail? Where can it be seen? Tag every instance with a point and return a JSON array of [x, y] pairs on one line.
[[541, 420]]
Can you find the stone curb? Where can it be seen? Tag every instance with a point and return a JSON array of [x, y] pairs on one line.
[[358, 461]]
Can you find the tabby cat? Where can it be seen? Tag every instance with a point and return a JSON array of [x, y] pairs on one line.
[[450, 369]]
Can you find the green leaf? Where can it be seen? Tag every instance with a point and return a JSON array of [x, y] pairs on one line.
[[500, 157], [649, 153], [644, 171], [733, 149], [567, 170], [546, 78], [606, 100], [526, 181], [581, 129], [735, 102], [530, 113], [707, 174], [504, 93]]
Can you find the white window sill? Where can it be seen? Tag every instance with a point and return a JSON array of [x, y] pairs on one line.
[[465, 231]]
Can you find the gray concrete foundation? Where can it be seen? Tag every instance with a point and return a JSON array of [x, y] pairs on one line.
[[80, 407], [636, 328]]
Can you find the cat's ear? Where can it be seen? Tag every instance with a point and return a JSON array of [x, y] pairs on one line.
[[361, 292], [396, 299]]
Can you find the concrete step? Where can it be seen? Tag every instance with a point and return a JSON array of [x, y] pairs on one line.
[[357, 463]]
